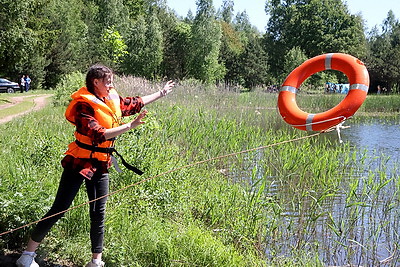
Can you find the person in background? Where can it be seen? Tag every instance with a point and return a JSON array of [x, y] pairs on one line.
[[27, 83], [22, 84], [95, 111]]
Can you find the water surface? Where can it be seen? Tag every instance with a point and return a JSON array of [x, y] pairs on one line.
[[358, 224]]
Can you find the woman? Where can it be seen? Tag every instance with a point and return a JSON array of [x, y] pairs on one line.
[[95, 110]]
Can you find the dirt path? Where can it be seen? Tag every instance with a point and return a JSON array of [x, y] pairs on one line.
[[40, 101]]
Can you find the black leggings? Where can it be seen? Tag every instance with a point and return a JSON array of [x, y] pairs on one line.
[[69, 186]]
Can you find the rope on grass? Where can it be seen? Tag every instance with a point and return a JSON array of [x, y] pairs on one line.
[[164, 173]]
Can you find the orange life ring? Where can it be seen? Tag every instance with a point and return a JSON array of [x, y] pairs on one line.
[[358, 77]]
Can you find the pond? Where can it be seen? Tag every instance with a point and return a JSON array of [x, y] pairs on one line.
[[379, 136], [358, 224]]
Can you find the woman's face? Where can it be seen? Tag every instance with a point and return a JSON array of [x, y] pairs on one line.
[[103, 86]]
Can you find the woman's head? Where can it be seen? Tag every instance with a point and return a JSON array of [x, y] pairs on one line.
[[98, 75]]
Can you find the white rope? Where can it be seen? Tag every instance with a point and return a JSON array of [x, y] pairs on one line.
[[338, 127], [318, 122]]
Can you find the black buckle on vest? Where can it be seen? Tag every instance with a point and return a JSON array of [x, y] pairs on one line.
[[109, 150]]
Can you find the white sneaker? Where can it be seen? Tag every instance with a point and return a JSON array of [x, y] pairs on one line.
[[27, 261], [92, 264]]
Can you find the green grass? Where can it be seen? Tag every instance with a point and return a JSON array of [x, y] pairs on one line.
[[4, 101], [235, 211], [18, 108]]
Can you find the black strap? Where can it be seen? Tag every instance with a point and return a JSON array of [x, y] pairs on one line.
[[109, 150], [127, 165]]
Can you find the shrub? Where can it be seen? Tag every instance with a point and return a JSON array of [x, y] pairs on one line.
[[68, 84]]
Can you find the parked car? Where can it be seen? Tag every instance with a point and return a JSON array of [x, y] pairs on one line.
[[7, 86]]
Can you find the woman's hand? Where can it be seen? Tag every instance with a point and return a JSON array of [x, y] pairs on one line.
[[147, 99], [167, 88], [138, 120], [114, 132]]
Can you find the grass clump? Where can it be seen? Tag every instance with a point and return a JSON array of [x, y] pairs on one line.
[[68, 84]]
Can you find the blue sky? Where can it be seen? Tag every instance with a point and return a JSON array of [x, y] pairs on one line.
[[373, 11]]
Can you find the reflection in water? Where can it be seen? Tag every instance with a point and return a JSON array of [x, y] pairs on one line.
[[378, 136]]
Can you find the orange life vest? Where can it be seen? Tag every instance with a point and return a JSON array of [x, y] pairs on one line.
[[107, 113]]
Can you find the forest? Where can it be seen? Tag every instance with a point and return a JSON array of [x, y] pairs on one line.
[[48, 39]]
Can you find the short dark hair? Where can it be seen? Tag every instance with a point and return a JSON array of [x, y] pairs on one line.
[[96, 71]]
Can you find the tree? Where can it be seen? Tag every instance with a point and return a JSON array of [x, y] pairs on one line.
[[114, 13], [243, 54], [254, 68], [242, 24], [189, 17], [227, 11], [115, 45], [204, 45], [390, 23], [67, 41], [175, 33], [176, 41], [232, 46], [22, 45], [293, 58], [144, 47], [154, 50], [383, 61], [315, 26], [102, 15], [136, 45], [135, 8]]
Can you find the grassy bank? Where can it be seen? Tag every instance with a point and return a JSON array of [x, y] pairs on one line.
[[233, 211]]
